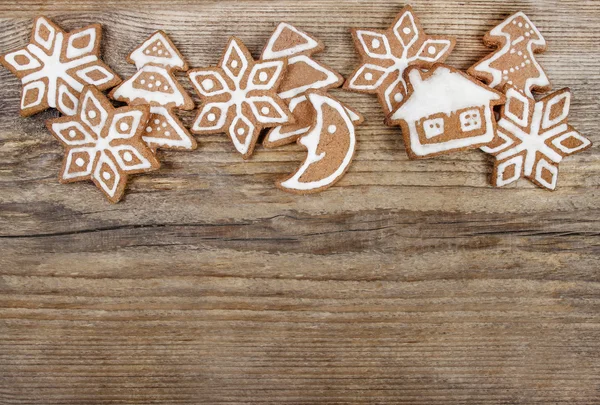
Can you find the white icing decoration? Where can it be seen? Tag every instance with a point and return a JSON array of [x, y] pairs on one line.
[[181, 138], [39, 87], [517, 162], [311, 142], [126, 91], [260, 67], [141, 57], [498, 31], [397, 63], [97, 106], [100, 177], [73, 52], [444, 92], [65, 91], [533, 140], [269, 53], [67, 174], [44, 58], [330, 78]]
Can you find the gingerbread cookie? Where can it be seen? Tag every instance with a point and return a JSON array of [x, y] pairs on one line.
[[533, 138], [444, 111], [155, 85], [56, 65], [303, 73], [330, 143], [386, 55], [514, 63], [240, 97], [103, 144]]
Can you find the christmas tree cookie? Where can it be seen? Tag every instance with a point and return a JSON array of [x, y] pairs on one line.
[[514, 63], [155, 85]]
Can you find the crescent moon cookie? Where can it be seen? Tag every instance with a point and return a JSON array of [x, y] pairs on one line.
[[535, 137], [240, 97], [103, 144], [445, 111], [155, 85], [330, 143], [514, 63], [387, 53], [303, 73], [56, 65]]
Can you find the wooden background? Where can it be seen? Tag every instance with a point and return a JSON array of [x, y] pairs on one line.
[[408, 283]]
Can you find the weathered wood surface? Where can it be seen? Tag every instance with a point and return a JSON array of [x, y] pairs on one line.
[[409, 282]]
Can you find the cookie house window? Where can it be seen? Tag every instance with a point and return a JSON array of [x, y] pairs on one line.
[[470, 120], [433, 127]]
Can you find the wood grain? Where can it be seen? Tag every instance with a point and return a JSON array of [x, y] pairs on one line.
[[408, 283]]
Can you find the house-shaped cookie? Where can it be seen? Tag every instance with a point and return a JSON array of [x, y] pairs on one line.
[[445, 111]]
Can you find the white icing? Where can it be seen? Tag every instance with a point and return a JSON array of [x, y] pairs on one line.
[[513, 96], [517, 162], [141, 59], [244, 146], [548, 122], [62, 128], [330, 78], [126, 91], [234, 51], [39, 87], [396, 63], [32, 63], [531, 142], [412, 27], [44, 43], [444, 92], [45, 57], [558, 142], [264, 84], [362, 36], [74, 52], [65, 91], [485, 66], [85, 171], [100, 177], [311, 142], [181, 140], [89, 98], [115, 132], [539, 169], [276, 133], [269, 53]]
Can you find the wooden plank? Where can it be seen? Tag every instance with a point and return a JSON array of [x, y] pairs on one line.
[[409, 282]]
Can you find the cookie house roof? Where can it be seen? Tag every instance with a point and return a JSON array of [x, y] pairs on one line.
[[444, 91]]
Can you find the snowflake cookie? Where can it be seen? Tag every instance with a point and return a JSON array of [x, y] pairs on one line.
[[387, 54], [533, 138], [514, 63], [240, 97], [56, 65], [103, 144], [330, 143], [302, 74], [155, 85]]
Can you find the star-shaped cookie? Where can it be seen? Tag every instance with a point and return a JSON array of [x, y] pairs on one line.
[[103, 144], [240, 97], [387, 53], [56, 65], [533, 138]]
